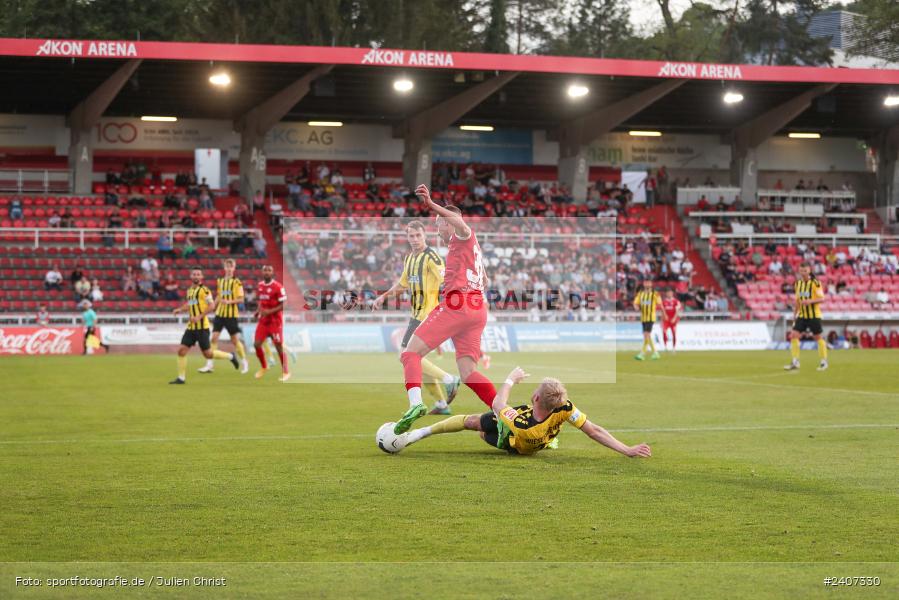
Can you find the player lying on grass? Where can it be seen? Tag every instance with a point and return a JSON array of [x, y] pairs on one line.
[[527, 429]]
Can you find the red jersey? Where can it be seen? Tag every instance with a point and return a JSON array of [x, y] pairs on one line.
[[270, 295], [464, 266], [670, 306]]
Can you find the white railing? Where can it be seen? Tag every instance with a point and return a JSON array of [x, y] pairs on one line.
[[46, 235], [775, 215], [864, 239], [35, 180], [692, 195]]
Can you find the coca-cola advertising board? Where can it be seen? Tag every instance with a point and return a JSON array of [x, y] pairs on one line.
[[41, 340]]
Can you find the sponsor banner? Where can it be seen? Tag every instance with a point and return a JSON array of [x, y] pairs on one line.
[[718, 335], [510, 146], [33, 131], [143, 335], [41, 340], [552, 337], [122, 133], [380, 57], [292, 141]]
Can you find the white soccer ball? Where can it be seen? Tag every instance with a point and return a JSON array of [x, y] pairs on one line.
[[388, 441]]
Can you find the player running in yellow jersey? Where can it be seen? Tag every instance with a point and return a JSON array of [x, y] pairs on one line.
[[527, 429], [647, 301], [200, 303], [422, 276], [227, 315], [807, 316]]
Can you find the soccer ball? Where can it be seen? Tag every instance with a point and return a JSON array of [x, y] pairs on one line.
[[388, 441]]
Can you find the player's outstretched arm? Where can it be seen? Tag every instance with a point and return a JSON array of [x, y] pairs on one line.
[[502, 396], [379, 301], [598, 434], [454, 219]]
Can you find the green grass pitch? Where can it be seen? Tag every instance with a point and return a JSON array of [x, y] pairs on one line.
[[762, 483]]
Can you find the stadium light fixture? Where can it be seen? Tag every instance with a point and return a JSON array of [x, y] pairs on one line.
[[636, 133], [476, 127], [159, 119], [220, 79], [733, 97], [325, 123], [577, 90], [891, 100], [798, 135], [403, 85]]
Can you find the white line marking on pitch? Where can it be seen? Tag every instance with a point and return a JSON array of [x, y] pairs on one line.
[[275, 438], [767, 385]]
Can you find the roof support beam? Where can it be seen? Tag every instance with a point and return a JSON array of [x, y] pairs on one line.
[[418, 130], [576, 135], [256, 123], [746, 138], [84, 117], [886, 145]]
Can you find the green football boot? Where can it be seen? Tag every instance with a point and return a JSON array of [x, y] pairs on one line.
[[410, 416]]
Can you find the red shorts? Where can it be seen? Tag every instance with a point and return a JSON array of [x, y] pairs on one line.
[[270, 329], [672, 325], [460, 318]]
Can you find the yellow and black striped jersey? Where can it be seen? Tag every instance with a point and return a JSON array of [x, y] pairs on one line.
[[528, 435], [228, 288], [807, 290], [422, 276], [647, 303], [199, 297]]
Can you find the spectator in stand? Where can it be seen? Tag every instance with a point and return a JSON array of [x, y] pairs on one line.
[[206, 202], [55, 220], [82, 289], [149, 264], [145, 288], [96, 294], [242, 214], [67, 220], [881, 299], [43, 317], [170, 286], [15, 209], [189, 250], [293, 194], [114, 220], [165, 247], [53, 279], [77, 274], [368, 173], [800, 185], [337, 178], [258, 202], [259, 245], [129, 280], [822, 187]]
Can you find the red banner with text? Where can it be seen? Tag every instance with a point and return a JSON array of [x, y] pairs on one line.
[[41, 340]]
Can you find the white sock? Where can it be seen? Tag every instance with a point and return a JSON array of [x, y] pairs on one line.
[[448, 378], [210, 363], [441, 404], [418, 434], [415, 396]]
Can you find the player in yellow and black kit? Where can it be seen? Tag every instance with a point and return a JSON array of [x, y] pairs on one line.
[[422, 276], [227, 315], [807, 316], [647, 301], [528, 429], [199, 305]]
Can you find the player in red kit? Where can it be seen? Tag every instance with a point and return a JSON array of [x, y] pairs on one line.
[[270, 313], [460, 316], [671, 311]]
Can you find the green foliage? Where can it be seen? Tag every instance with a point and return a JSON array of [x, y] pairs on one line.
[[599, 28], [878, 34], [497, 33]]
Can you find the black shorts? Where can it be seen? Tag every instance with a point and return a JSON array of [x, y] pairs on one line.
[[89, 331], [491, 432], [230, 324], [410, 331], [813, 325], [647, 326], [196, 336]]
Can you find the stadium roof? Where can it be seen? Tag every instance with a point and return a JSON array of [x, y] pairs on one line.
[[53, 76]]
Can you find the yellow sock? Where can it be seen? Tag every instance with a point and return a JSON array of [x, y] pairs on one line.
[[431, 370], [437, 391], [822, 349], [219, 355], [182, 367], [241, 351], [794, 348], [450, 425], [214, 346], [652, 345], [645, 347]]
